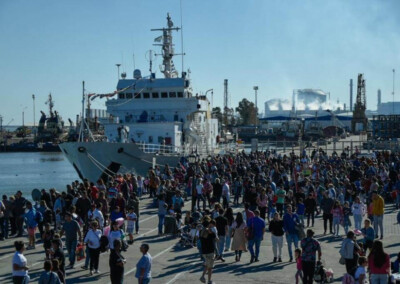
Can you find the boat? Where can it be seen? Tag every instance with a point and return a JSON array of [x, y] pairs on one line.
[[51, 127], [151, 121]]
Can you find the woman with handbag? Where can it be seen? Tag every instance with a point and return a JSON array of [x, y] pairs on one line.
[[92, 239], [277, 232], [238, 235], [116, 234], [349, 251]]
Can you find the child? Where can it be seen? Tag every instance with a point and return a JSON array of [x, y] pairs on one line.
[[360, 276], [300, 210], [47, 237], [131, 217], [346, 217], [337, 213], [299, 273]]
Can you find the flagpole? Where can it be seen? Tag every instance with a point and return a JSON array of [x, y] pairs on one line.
[[183, 53]]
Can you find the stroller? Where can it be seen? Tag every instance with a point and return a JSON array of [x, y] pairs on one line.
[[320, 273], [187, 236]]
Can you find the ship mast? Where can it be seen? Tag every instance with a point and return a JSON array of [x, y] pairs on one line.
[[167, 53]]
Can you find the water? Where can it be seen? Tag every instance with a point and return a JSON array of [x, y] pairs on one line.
[[26, 171]]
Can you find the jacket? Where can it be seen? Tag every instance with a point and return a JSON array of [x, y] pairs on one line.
[[378, 206], [347, 249]]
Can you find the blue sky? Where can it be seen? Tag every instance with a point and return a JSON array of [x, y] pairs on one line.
[[51, 46]]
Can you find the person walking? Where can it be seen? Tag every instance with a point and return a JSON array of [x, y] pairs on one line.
[[358, 209], [71, 229], [277, 232], [378, 264], [310, 247], [239, 238], [31, 223], [350, 252], [311, 206], [19, 264], [207, 239], [221, 224], [378, 210], [143, 267], [117, 263], [290, 220], [162, 211], [262, 203], [256, 228], [92, 239], [326, 207], [337, 217]]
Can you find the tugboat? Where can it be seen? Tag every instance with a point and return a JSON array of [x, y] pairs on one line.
[[151, 121]]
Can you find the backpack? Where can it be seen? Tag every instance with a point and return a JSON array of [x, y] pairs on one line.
[[38, 217], [348, 279], [104, 243]]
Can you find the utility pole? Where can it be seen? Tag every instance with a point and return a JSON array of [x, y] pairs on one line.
[[255, 88]]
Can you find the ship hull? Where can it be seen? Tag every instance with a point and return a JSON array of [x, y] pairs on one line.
[[94, 160]]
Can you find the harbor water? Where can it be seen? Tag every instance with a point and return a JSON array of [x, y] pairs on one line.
[[26, 171]]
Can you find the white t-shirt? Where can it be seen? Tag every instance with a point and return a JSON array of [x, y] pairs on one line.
[[20, 260], [360, 271]]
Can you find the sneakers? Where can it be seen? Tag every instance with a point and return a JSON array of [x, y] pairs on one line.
[[291, 259], [97, 272], [84, 267], [203, 279], [91, 272], [222, 259], [274, 259], [252, 259], [280, 260], [71, 266], [256, 259]]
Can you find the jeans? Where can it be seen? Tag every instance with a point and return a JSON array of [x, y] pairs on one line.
[[3, 227], [292, 239], [88, 256], [228, 238], [327, 217], [21, 279], [308, 271], [336, 225], [139, 191], [71, 248], [161, 219], [200, 197], [277, 243], [144, 281], [379, 278], [357, 221], [310, 216], [378, 224], [301, 217], [279, 208], [221, 245], [257, 242], [137, 223]]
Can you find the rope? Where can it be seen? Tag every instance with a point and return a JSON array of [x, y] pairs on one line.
[[98, 164], [99, 167]]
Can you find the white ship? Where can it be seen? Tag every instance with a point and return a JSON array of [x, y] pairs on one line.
[[151, 121]]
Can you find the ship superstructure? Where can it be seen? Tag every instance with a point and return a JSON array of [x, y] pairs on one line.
[[151, 120]]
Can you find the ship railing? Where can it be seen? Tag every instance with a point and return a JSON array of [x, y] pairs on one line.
[[160, 148]]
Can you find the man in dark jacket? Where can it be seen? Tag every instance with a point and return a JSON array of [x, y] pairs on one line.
[[19, 211], [326, 207], [207, 238]]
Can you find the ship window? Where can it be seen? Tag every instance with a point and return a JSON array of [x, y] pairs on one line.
[[146, 96], [122, 95], [129, 95], [172, 94], [180, 94], [155, 95], [164, 95], [137, 95], [150, 139]]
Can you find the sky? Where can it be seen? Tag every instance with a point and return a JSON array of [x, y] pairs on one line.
[[52, 46]]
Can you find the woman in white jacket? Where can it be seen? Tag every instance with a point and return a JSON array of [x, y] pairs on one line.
[[92, 239], [358, 209]]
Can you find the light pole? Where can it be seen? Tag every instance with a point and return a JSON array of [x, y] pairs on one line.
[[212, 96], [118, 64], [255, 88], [34, 118], [393, 89]]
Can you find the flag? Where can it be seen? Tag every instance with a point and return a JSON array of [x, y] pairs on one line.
[[158, 39]]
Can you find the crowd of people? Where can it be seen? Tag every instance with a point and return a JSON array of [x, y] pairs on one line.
[[233, 201]]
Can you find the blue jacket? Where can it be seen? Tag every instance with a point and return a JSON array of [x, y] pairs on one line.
[[289, 223]]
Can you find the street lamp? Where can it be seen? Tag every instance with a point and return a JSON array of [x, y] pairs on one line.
[[118, 64], [393, 89], [255, 88]]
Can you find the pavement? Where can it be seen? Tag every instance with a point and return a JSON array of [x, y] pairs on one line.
[[174, 264]]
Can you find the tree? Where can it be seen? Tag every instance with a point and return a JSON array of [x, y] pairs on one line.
[[216, 113], [247, 112]]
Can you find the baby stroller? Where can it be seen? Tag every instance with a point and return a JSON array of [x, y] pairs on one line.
[[186, 237], [320, 273]]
